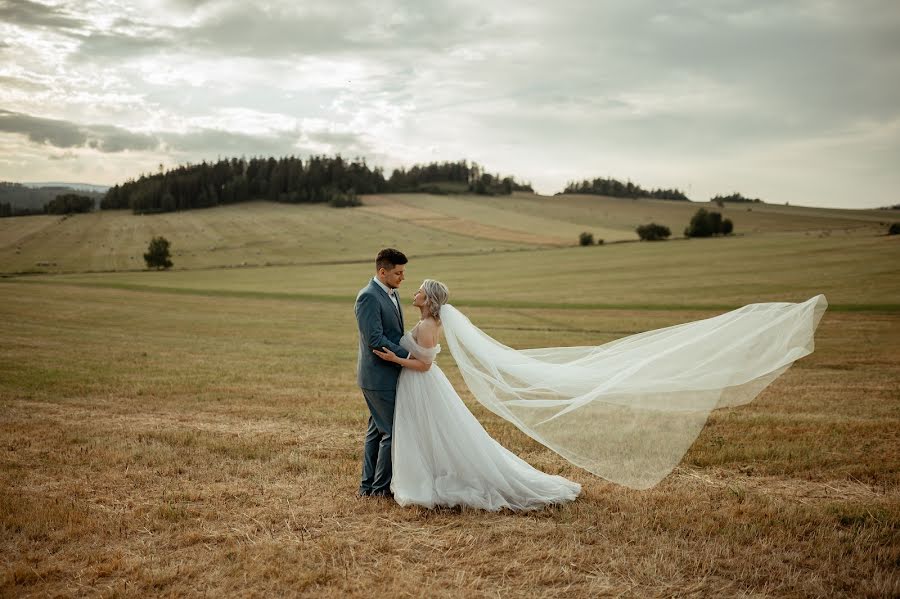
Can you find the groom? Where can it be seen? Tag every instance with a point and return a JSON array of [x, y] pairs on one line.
[[380, 322]]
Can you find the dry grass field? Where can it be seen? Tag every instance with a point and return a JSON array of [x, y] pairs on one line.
[[265, 234], [854, 272], [252, 234], [199, 432]]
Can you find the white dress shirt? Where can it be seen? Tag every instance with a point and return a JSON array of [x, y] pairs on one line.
[[390, 293]]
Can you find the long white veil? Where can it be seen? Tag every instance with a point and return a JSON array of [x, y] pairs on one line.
[[629, 410]]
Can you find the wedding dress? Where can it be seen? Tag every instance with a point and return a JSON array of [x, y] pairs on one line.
[[626, 411], [442, 456]]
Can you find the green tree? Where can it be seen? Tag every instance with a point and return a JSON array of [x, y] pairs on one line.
[[586, 238], [158, 255], [653, 232], [68, 203], [701, 225], [707, 224]]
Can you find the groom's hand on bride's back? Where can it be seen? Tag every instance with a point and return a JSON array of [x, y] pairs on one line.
[[385, 354]]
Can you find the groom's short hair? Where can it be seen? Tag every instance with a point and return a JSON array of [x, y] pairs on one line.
[[388, 258]]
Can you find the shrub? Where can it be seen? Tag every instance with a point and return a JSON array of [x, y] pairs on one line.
[[894, 229], [653, 232], [586, 238], [707, 224], [157, 255], [735, 197], [69, 203], [339, 199]]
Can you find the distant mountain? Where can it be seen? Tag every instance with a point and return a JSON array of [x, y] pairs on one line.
[[77, 186], [31, 197]]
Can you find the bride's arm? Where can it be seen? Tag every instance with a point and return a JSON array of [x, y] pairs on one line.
[[413, 363], [427, 339]]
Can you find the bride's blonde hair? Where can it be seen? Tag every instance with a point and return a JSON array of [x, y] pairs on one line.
[[436, 295]]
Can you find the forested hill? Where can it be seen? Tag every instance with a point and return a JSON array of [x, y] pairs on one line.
[[293, 180], [24, 199], [617, 189]]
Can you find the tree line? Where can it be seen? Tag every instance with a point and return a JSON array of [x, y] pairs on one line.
[[453, 177], [229, 181], [66, 203], [318, 179], [20, 200], [617, 189], [69, 203], [734, 197]]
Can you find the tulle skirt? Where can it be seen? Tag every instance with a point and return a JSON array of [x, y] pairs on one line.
[[442, 456]]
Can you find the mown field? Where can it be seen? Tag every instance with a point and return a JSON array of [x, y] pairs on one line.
[[266, 234], [199, 432]]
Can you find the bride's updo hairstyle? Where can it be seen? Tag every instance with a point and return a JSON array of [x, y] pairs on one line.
[[436, 295]]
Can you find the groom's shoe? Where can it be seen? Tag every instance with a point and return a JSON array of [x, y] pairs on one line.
[[384, 493], [363, 494]]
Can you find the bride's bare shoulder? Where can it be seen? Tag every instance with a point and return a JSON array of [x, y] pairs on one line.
[[428, 332]]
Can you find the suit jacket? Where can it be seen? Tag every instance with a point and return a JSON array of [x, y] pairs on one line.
[[380, 325]]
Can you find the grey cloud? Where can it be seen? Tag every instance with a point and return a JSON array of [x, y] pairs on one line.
[[190, 4], [61, 134], [107, 138], [266, 31], [343, 28], [784, 71], [215, 142], [119, 45], [25, 12], [210, 143], [788, 56], [65, 134], [336, 139], [203, 142], [20, 83]]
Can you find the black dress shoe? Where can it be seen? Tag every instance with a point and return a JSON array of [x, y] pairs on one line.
[[361, 494], [387, 494]]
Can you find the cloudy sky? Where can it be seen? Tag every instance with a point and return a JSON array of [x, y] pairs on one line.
[[794, 101]]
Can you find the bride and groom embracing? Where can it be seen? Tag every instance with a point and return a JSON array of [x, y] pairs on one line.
[[423, 446], [626, 411]]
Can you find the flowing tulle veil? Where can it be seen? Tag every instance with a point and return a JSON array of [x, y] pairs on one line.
[[629, 410]]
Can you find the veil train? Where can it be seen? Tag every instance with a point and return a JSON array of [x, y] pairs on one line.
[[629, 410]]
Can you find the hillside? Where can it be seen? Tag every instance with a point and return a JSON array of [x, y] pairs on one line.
[[260, 233], [34, 197], [67, 184]]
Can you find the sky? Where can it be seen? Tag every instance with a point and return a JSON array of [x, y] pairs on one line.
[[785, 101]]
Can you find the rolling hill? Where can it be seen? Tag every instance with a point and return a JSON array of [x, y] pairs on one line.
[[262, 233]]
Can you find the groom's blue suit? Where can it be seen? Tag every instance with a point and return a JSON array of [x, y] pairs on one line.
[[380, 325]]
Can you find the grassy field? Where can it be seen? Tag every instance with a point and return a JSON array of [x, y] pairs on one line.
[[199, 432], [256, 233], [261, 234], [854, 272], [615, 219]]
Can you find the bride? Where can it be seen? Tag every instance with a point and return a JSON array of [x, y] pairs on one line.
[[626, 411], [441, 455]]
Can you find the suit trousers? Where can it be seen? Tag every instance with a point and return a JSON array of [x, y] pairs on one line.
[[376, 470]]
